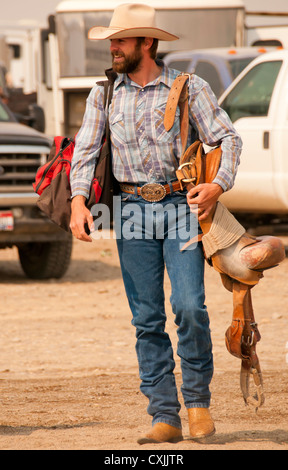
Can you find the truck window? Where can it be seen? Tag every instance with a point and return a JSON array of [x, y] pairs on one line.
[[252, 95], [209, 73], [237, 65], [181, 65]]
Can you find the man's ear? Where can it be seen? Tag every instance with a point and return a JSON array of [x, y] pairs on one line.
[[148, 43]]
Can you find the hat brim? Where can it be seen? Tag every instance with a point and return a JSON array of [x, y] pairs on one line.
[[100, 33]]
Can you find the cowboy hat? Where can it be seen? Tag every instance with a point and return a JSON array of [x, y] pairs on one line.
[[131, 20]]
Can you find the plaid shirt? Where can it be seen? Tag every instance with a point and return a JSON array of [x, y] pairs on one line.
[[142, 150]]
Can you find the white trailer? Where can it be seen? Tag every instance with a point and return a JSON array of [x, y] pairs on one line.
[[266, 28]]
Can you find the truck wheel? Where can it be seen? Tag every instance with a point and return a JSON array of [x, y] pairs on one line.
[[45, 260]]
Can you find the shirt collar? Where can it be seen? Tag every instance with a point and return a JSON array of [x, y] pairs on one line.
[[166, 77]]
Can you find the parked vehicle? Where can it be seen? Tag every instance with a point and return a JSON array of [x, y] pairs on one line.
[[218, 66], [44, 249], [257, 103]]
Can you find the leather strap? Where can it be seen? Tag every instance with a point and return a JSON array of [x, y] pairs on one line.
[[178, 95]]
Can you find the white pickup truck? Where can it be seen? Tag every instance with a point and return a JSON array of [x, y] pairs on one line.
[[257, 103]]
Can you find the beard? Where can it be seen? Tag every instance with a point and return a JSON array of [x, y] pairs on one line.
[[131, 62]]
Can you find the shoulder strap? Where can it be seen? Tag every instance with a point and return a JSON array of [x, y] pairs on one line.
[[108, 86], [178, 95], [108, 93]]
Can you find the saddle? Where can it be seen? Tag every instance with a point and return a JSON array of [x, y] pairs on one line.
[[239, 257]]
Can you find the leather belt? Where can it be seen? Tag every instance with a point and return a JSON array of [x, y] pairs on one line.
[[152, 192]]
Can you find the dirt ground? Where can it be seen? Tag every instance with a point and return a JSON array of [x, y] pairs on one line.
[[68, 371]]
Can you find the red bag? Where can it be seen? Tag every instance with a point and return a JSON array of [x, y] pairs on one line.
[[60, 157], [52, 181]]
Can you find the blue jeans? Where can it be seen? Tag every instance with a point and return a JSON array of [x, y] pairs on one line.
[[149, 242]]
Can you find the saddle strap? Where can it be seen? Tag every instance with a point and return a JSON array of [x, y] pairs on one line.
[[243, 335], [178, 95], [241, 339]]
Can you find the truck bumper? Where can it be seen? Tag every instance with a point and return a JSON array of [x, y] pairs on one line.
[[30, 224], [32, 230]]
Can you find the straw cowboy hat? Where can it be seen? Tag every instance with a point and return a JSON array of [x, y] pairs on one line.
[[131, 20]]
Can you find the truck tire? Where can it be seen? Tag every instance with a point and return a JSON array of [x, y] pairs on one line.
[[45, 260]]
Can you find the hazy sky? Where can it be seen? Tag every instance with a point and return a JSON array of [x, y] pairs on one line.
[[15, 10]]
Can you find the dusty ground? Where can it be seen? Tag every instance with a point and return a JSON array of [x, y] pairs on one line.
[[68, 372]]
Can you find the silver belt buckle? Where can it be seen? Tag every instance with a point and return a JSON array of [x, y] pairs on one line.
[[153, 192]]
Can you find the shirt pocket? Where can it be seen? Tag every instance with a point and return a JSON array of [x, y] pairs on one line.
[[163, 136], [117, 128]]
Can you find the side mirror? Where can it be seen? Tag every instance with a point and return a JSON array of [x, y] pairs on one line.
[[36, 117]]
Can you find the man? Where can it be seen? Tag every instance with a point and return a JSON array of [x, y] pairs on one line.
[[144, 153]]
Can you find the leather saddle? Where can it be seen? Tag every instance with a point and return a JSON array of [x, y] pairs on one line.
[[239, 257]]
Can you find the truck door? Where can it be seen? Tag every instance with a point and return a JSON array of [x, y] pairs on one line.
[[249, 105]]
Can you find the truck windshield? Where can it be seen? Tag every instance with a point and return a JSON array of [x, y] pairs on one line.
[[80, 57], [252, 95]]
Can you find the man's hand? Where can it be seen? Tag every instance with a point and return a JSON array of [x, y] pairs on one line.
[[80, 216], [202, 198]]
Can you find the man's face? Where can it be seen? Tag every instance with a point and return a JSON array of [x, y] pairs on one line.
[[126, 55]]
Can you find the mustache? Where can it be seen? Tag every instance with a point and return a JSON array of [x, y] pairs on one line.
[[117, 54]]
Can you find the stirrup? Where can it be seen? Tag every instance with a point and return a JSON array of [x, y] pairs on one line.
[[258, 398]]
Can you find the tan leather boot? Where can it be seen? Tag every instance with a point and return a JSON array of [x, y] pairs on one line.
[[162, 432], [200, 423]]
